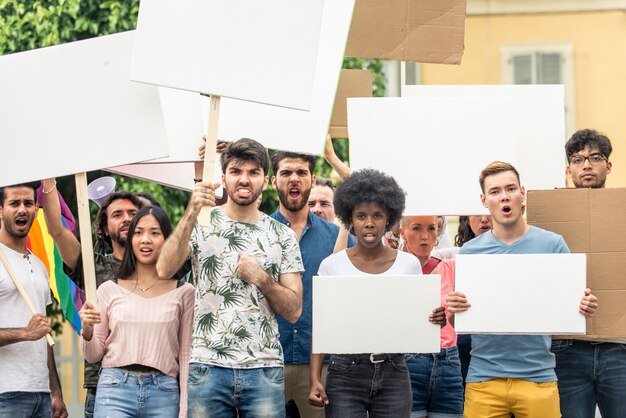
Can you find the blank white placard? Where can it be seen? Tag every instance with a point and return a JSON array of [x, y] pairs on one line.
[[521, 294], [434, 147], [375, 314], [71, 108], [539, 122], [262, 51]]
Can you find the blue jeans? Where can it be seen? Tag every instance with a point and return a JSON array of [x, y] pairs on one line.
[[591, 373], [25, 405], [125, 394], [356, 387], [220, 392], [437, 384], [90, 402]]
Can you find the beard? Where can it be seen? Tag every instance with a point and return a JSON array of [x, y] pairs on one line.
[[244, 201], [8, 226], [293, 206], [120, 240]]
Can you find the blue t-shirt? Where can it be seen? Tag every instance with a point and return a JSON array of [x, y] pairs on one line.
[[316, 243], [525, 357]]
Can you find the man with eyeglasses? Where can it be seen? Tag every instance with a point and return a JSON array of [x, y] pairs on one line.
[[590, 372]]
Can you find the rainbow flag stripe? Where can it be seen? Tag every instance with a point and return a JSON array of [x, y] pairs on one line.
[[70, 297]]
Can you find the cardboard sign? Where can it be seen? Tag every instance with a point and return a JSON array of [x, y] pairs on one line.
[[352, 83], [408, 30], [539, 122], [521, 294], [71, 108], [591, 221], [347, 309], [246, 49], [434, 147]]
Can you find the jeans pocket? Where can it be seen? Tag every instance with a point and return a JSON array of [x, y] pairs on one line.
[[110, 377], [399, 363], [198, 373], [167, 383], [340, 366], [558, 346], [274, 375]]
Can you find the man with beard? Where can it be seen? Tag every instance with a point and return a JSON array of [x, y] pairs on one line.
[[112, 222], [293, 179], [248, 269], [590, 372], [29, 384]]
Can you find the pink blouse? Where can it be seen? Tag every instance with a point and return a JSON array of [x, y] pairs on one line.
[[154, 332]]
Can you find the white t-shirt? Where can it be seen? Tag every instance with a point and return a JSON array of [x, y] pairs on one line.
[[339, 264], [23, 365]]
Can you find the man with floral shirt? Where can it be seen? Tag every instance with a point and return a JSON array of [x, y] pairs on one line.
[[248, 269]]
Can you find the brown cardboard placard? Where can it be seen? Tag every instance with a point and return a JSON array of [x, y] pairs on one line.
[[352, 83], [408, 30], [591, 221]]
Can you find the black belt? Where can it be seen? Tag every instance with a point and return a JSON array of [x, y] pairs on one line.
[[370, 358], [140, 368]]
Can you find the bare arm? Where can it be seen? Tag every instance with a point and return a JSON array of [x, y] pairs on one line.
[[66, 242], [317, 394], [331, 158], [37, 328], [56, 394], [176, 249], [284, 296]]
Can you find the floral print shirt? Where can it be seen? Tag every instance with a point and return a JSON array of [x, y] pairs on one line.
[[234, 325]]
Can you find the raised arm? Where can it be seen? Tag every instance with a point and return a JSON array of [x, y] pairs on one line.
[[331, 158], [284, 296], [64, 239], [176, 249]]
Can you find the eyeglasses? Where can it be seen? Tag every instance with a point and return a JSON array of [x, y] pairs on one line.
[[595, 158]]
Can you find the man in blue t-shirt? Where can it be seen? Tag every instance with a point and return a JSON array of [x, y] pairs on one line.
[[511, 374]]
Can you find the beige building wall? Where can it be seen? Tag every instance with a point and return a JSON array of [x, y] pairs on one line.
[[598, 43]]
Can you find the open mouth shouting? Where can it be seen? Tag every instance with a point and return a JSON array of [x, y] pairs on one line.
[[294, 194], [21, 223], [506, 210]]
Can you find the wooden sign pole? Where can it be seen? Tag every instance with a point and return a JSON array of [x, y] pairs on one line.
[[21, 290], [86, 242], [210, 154]]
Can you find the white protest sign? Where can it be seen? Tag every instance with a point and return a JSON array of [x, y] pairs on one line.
[[521, 294], [262, 51], [434, 147], [71, 108], [375, 314], [539, 121]]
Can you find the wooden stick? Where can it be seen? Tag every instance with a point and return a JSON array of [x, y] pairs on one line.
[[20, 289], [86, 242], [210, 155]]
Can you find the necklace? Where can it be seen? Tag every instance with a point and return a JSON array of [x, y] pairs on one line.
[[143, 289]]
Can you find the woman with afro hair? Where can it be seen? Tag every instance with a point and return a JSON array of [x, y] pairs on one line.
[[369, 384]]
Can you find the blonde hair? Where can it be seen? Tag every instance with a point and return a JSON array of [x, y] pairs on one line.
[[495, 168]]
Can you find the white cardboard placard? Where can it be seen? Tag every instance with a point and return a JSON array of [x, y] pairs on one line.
[[434, 147], [521, 294], [262, 51], [377, 314], [539, 122], [71, 108]]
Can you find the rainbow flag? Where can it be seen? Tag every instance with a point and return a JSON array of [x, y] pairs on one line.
[[64, 290]]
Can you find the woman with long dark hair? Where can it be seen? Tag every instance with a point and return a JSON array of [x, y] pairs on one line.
[[142, 330]]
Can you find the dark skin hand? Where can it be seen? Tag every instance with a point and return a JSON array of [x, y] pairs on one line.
[[438, 316]]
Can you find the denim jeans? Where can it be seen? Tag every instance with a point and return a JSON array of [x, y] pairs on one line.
[[436, 383], [356, 388], [90, 402], [219, 392], [25, 405], [124, 394], [591, 373]]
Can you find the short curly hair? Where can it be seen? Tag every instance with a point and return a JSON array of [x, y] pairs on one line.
[[369, 185], [588, 138]]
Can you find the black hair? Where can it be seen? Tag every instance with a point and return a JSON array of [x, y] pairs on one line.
[[588, 137], [323, 181], [246, 150], [369, 185], [33, 185], [149, 198], [465, 232], [129, 263], [103, 242], [278, 156]]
